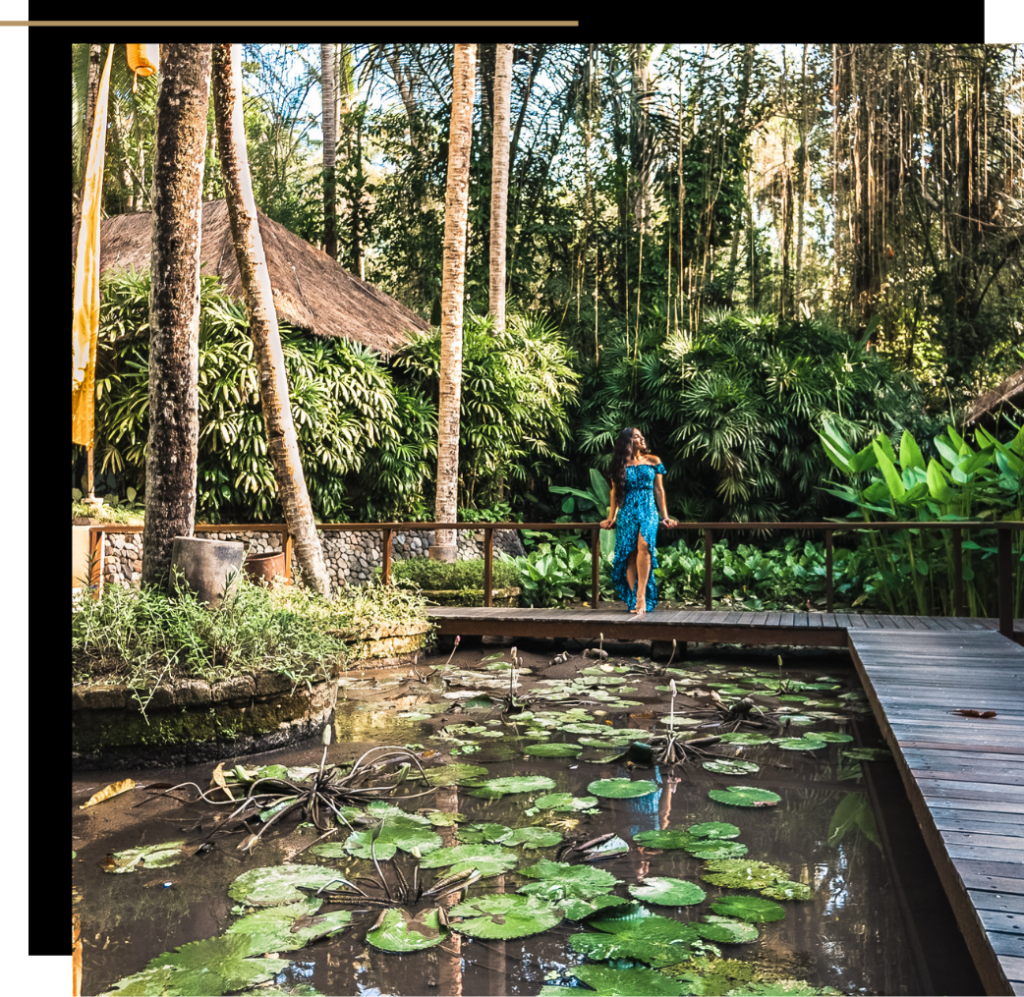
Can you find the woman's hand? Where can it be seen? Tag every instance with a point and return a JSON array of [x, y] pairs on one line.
[[669, 523], [607, 524]]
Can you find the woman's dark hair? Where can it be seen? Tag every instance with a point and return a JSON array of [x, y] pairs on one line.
[[621, 456]]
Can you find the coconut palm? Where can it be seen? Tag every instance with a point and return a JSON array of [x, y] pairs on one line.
[[277, 415], [330, 149], [499, 181], [179, 157]]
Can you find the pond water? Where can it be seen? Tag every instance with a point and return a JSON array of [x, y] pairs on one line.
[[826, 813]]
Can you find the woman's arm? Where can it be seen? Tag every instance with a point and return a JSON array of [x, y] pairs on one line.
[[662, 502], [607, 524]]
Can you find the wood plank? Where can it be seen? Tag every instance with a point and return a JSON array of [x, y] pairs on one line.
[[773, 619], [1009, 922], [1009, 902]]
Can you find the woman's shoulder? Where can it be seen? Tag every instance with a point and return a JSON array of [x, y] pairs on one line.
[[652, 461]]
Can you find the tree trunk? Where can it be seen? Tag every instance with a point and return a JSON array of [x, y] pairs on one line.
[[499, 181], [453, 278], [283, 445], [330, 108], [173, 444]]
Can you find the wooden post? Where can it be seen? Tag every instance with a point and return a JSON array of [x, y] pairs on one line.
[[828, 571], [595, 567], [388, 533], [1005, 583], [96, 560], [958, 573], [286, 546], [488, 565], [708, 536]]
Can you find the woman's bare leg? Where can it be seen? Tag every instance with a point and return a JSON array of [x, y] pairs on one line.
[[643, 563], [631, 573]]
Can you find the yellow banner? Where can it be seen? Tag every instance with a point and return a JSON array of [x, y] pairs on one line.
[[86, 323]]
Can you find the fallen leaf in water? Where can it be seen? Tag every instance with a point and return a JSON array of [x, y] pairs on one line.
[[984, 714], [114, 789], [217, 779]]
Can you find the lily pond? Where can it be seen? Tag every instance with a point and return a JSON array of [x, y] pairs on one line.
[[515, 821]]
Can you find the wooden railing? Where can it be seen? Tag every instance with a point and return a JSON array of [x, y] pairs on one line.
[[1004, 532]]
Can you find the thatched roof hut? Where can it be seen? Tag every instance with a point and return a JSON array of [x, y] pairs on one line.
[[311, 291], [1011, 391]]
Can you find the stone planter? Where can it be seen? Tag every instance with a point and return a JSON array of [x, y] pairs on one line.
[[386, 648], [471, 597], [207, 565]]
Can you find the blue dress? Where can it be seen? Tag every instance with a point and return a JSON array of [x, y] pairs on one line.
[[638, 512]]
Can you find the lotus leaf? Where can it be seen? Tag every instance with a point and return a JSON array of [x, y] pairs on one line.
[[669, 838], [743, 873], [534, 837], [284, 929], [553, 750], [745, 796], [398, 830], [565, 802], [504, 915], [272, 885], [714, 829], [146, 857], [579, 910], [667, 892], [489, 860], [208, 967], [726, 929], [493, 788], [729, 767], [706, 849], [637, 982], [622, 789], [454, 774], [562, 881], [635, 933], [473, 834], [749, 909], [400, 931]]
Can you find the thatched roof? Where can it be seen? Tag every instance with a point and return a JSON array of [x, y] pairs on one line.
[[1010, 390], [311, 291]]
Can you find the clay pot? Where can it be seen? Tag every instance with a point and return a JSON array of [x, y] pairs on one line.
[[264, 568], [208, 565]]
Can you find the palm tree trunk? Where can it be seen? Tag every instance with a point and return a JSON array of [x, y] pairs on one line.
[[330, 149], [453, 278], [283, 445], [173, 444], [499, 181]]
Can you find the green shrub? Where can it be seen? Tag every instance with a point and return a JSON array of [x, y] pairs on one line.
[[434, 576]]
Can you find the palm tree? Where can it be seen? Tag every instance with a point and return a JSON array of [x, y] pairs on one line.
[[283, 446], [330, 149], [173, 445], [499, 181], [453, 278]]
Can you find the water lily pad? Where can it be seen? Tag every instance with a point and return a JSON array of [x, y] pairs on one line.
[[401, 931], [729, 767], [287, 928], [473, 834], [504, 915], [669, 838], [159, 856], [562, 881], [397, 830], [441, 819], [745, 796], [728, 930], [494, 788], [867, 754], [534, 837], [749, 909], [605, 742], [787, 889], [782, 988], [745, 737], [743, 873], [809, 742], [579, 910], [622, 789], [555, 750], [635, 933], [706, 849], [565, 802], [488, 860], [587, 728], [454, 774], [714, 829], [678, 721], [832, 736], [667, 892], [608, 981], [271, 885]]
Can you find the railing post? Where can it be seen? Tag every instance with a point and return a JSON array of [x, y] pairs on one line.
[[828, 571], [286, 548], [707, 567], [958, 573], [1005, 538], [488, 565], [595, 567], [96, 561], [386, 575]]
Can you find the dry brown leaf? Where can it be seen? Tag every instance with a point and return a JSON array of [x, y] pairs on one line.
[[218, 780], [114, 789], [983, 714]]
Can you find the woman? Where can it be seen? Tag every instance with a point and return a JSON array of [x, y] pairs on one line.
[[638, 496]]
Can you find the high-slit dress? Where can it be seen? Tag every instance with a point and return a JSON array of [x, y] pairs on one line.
[[638, 514]]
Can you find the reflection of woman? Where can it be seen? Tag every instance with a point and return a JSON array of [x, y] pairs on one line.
[[637, 506]]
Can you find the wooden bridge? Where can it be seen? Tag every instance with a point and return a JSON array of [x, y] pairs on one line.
[[964, 776]]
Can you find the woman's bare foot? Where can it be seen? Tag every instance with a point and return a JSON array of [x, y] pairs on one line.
[[641, 605]]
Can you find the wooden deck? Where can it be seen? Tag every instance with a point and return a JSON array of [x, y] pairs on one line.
[[964, 776]]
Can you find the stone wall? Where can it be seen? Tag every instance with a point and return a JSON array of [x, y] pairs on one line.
[[351, 556]]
